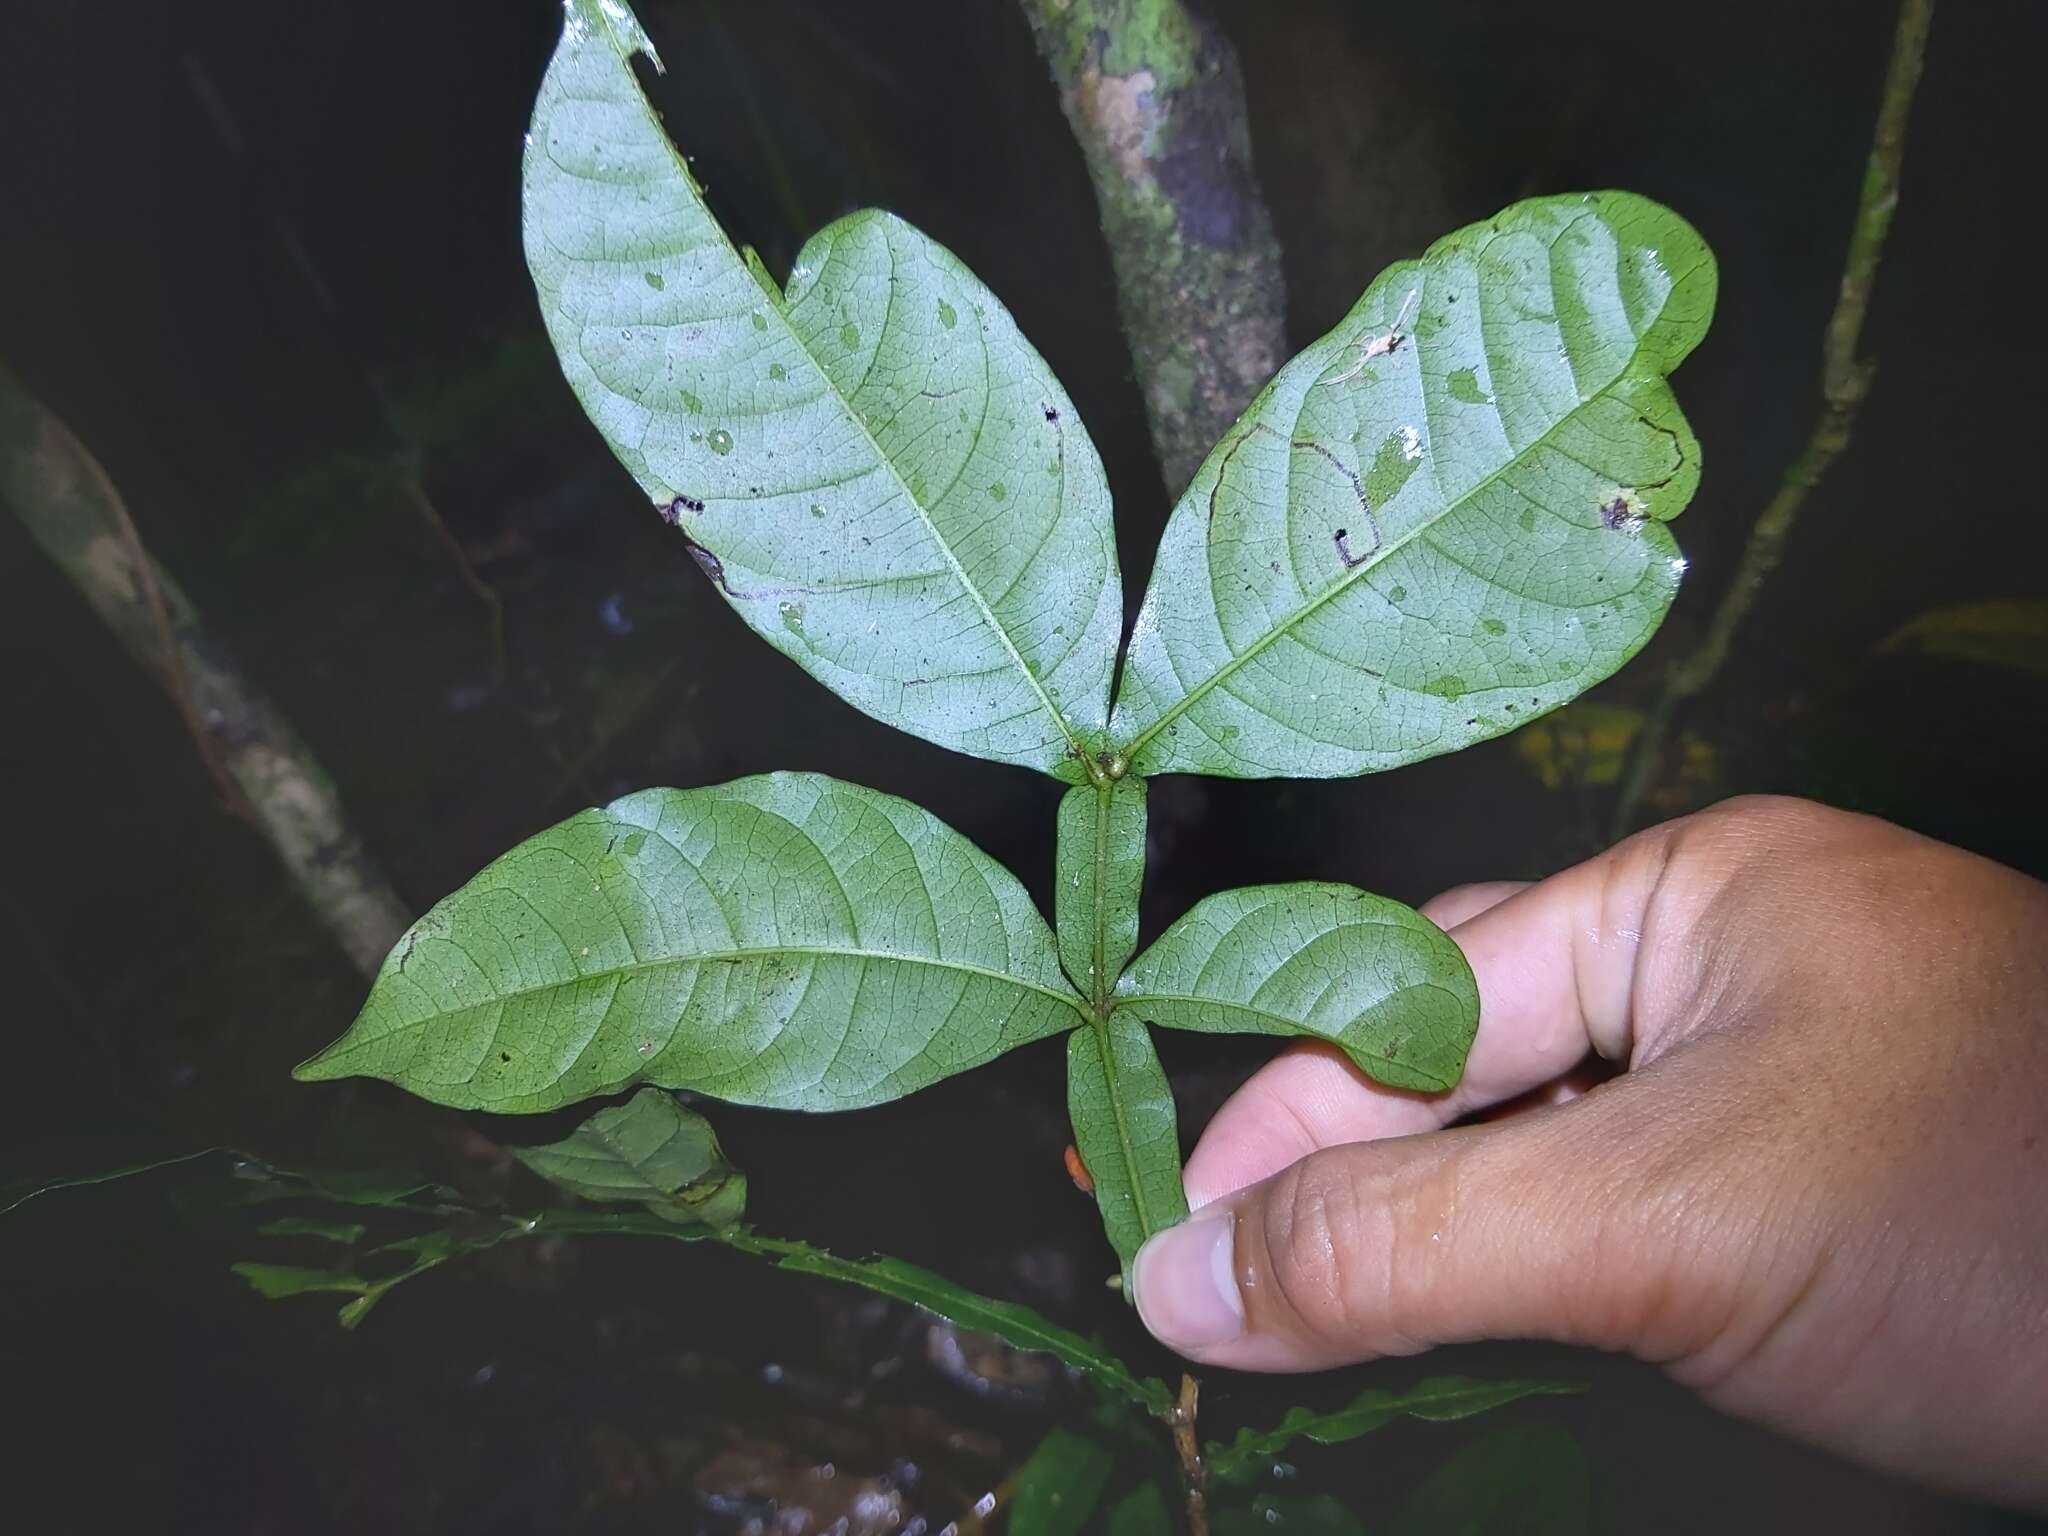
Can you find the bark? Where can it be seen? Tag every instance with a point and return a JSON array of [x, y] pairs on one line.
[[1155, 97], [72, 510]]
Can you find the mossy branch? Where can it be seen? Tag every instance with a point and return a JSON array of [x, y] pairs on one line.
[[73, 511], [1845, 384], [1156, 99]]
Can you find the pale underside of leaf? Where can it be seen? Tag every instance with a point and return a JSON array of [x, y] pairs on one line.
[[1099, 868], [649, 1149], [877, 471], [1327, 962], [1441, 520], [1126, 1130], [788, 940]]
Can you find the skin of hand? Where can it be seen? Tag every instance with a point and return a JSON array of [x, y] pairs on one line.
[[1818, 1192]]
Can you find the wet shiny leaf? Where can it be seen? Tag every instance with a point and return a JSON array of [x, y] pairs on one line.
[[875, 468], [651, 1150], [1441, 520], [787, 940], [1325, 962]]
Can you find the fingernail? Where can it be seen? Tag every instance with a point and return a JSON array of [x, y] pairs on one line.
[[1187, 1286]]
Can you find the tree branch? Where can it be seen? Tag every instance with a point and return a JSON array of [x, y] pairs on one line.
[[1156, 99], [74, 513]]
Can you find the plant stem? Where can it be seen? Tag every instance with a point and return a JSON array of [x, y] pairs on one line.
[[1188, 1446], [1845, 383], [1156, 100], [73, 511]]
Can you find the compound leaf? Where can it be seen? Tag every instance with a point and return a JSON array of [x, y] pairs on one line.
[[875, 468], [787, 940], [1329, 962], [1424, 534]]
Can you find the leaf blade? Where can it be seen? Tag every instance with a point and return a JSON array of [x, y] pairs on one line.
[[651, 1151], [1059, 1485], [1099, 869], [1323, 961], [879, 473], [1320, 607], [773, 941], [1436, 1399], [1127, 1131]]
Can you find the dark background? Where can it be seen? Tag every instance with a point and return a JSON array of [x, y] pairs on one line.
[[257, 255]]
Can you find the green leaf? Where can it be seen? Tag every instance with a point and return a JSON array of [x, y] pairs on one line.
[[1121, 1105], [878, 472], [1439, 1399], [1009, 1321], [1100, 866], [1141, 1512], [1424, 534], [277, 1281], [1059, 1486], [345, 1233], [1309, 1515], [787, 940], [648, 1149], [1527, 1480], [1329, 962], [2010, 632]]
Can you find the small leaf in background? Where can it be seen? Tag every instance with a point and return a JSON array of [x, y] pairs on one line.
[[1099, 861], [1142, 1512], [1441, 520], [1438, 1399], [343, 1232], [1059, 1486], [1526, 1480], [787, 940], [648, 1149], [877, 471], [1326, 962], [277, 1281], [2001, 632], [1304, 1515], [1121, 1106], [1586, 745]]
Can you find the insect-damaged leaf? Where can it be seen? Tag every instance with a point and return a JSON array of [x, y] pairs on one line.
[[649, 1149], [1442, 519], [1375, 978], [787, 940], [877, 470]]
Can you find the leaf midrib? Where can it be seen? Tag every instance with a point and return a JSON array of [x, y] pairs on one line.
[[1064, 996], [781, 311], [1372, 562]]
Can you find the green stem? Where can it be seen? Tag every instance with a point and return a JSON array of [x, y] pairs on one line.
[[1845, 383]]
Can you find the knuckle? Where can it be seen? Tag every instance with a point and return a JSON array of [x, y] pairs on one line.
[[1319, 1241]]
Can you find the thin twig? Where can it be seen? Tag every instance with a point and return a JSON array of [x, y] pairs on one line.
[[1194, 1476], [481, 590], [177, 681], [1845, 383]]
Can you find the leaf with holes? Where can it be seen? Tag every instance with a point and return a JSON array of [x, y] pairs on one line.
[[651, 1150], [1441, 520], [788, 940], [875, 468], [1325, 962]]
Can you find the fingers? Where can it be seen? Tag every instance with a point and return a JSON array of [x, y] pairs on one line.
[[1551, 1225], [1555, 964]]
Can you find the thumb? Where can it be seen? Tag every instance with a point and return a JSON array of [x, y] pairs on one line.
[[1567, 1224]]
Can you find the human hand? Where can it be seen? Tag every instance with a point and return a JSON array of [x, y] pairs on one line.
[[1818, 1193]]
